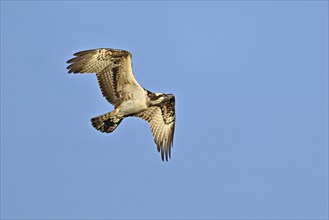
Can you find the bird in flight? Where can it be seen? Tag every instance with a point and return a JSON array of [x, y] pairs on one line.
[[113, 68]]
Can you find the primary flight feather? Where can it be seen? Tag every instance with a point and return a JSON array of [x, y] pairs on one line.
[[113, 68]]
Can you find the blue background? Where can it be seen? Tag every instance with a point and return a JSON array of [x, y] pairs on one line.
[[251, 86]]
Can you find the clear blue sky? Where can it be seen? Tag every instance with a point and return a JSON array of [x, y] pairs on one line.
[[251, 86]]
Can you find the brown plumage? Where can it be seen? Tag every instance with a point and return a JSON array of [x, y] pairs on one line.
[[118, 85]]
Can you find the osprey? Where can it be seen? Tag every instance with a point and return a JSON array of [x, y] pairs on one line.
[[113, 68]]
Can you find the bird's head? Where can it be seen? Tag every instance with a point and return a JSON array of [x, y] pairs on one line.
[[159, 94], [157, 98], [160, 97], [170, 96]]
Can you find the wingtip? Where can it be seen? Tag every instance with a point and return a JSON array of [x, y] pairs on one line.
[[85, 52], [165, 151], [165, 160], [72, 60], [69, 69]]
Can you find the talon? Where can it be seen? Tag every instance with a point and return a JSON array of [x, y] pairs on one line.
[[115, 119]]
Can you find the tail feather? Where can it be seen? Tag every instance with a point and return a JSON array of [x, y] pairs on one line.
[[105, 124]]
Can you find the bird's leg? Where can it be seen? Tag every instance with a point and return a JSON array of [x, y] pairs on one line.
[[115, 116]]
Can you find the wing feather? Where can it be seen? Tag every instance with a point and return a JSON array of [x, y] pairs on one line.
[[112, 68], [162, 122]]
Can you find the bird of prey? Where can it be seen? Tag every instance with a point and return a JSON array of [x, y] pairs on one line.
[[113, 68]]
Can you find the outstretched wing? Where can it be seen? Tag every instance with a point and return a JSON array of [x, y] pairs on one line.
[[113, 69], [162, 122]]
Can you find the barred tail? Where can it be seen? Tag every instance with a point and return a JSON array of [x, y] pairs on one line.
[[105, 124]]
